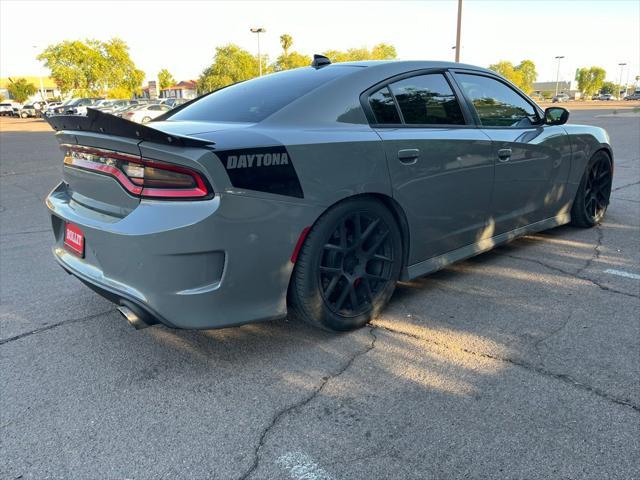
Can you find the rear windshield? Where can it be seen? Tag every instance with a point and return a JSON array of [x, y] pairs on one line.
[[256, 99]]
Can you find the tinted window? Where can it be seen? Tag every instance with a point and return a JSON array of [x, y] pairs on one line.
[[383, 106], [497, 104], [428, 100], [256, 99]]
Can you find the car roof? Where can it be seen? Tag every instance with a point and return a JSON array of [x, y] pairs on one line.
[[333, 99], [409, 64]]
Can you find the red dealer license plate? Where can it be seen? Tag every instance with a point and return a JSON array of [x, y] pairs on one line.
[[74, 239]]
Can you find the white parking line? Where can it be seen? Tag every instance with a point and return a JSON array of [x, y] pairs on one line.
[[622, 273], [302, 467]]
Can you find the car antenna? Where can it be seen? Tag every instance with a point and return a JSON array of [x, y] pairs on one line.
[[320, 61]]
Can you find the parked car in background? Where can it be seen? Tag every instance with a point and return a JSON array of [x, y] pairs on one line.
[[59, 108], [633, 96], [101, 103], [174, 102], [146, 113], [6, 109], [79, 107], [606, 97], [561, 97], [115, 105], [28, 111], [118, 112]]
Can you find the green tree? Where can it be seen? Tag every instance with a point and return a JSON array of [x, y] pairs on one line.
[[528, 75], [231, 64], [286, 41], [508, 71], [381, 51], [165, 78], [20, 90], [590, 80], [1, 98], [92, 67], [610, 87], [523, 75], [289, 60]]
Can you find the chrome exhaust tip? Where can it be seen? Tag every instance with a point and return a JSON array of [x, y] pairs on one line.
[[133, 318]]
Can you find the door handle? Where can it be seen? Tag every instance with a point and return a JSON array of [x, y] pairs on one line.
[[504, 154], [409, 156]]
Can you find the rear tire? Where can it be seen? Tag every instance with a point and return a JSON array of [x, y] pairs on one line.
[[348, 266], [146, 119], [594, 192]]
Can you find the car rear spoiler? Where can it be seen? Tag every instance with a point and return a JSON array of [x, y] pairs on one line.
[[99, 122]]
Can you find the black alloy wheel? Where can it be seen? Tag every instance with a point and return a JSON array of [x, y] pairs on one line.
[[356, 263], [594, 192], [348, 266]]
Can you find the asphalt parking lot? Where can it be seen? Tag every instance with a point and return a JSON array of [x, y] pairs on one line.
[[521, 363]]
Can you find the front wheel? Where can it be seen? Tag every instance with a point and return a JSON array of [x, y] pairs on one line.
[[348, 267], [594, 191]]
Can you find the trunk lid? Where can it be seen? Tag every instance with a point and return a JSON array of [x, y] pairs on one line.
[[96, 191]]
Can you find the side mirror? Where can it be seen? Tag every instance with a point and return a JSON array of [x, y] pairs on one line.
[[556, 116]]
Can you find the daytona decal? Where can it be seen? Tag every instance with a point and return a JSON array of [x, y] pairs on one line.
[[265, 169], [259, 159]]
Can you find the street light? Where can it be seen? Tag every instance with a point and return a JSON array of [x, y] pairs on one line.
[[458, 31], [559, 57], [621, 65], [258, 31]]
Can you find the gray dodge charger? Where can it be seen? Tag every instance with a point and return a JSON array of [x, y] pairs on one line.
[[313, 191]]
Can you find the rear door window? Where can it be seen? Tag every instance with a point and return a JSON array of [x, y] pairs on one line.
[[422, 100], [427, 100]]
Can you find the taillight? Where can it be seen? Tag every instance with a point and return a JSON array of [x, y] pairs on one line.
[[139, 176]]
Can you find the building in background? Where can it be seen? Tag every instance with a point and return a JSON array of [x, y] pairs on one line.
[[548, 89], [185, 89]]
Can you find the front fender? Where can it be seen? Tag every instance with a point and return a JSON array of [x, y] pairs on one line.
[[585, 141]]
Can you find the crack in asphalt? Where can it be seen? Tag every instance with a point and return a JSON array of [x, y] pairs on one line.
[[13, 173], [541, 370], [574, 275], [596, 252], [305, 401], [26, 232], [553, 333], [625, 186], [53, 325]]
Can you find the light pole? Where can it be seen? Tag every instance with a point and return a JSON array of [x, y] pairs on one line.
[[559, 57], [459, 31], [258, 31], [621, 65]]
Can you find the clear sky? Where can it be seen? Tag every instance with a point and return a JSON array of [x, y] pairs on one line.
[[182, 35]]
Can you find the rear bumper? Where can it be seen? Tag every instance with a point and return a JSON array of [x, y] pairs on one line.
[[196, 265]]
